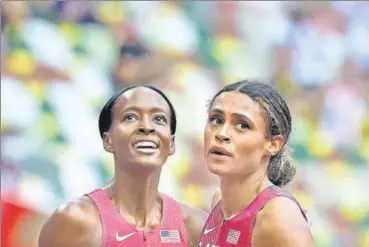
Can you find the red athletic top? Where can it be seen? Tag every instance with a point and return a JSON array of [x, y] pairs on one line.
[[116, 232], [237, 231]]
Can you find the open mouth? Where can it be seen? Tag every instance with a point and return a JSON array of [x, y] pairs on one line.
[[146, 146], [219, 151]]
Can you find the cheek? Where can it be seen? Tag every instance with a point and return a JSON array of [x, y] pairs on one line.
[[166, 143], [165, 138], [120, 136], [207, 135], [250, 147]]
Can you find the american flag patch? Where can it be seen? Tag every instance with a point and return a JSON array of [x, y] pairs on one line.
[[233, 237], [170, 236]]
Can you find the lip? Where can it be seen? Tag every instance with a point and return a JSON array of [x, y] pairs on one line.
[[214, 149], [146, 140]]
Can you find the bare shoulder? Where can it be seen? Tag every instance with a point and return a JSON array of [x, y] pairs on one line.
[[281, 224], [195, 219], [78, 220]]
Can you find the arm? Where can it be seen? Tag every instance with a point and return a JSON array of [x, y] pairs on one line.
[[74, 225], [215, 199], [281, 224], [194, 221]]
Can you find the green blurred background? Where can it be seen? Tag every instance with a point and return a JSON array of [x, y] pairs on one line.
[[62, 60]]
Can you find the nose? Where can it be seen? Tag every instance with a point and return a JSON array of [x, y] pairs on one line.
[[222, 138], [145, 127], [145, 130], [222, 135]]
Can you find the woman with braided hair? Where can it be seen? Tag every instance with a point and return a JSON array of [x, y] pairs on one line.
[[249, 124]]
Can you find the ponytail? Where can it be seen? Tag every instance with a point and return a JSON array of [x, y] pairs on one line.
[[281, 169]]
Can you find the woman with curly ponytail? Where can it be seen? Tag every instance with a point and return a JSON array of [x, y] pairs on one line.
[[246, 136]]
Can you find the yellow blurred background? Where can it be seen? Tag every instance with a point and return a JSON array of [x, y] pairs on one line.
[[62, 60]]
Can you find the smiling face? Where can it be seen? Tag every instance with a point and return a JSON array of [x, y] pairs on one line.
[[235, 135], [140, 132]]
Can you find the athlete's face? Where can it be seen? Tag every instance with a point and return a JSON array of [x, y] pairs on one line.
[[235, 136], [140, 133]]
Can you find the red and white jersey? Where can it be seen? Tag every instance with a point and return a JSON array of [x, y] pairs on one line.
[[237, 231], [118, 233]]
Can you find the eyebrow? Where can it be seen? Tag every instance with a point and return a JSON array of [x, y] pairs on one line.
[[234, 114], [138, 109]]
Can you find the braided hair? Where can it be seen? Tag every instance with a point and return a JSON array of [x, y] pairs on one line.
[[280, 169]]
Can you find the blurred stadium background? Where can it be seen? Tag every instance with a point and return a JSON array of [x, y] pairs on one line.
[[62, 60]]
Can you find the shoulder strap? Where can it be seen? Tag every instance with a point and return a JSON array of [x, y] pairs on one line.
[[262, 199], [215, 217], [173, 217], [102, 201], [109, 215], [269, 193]]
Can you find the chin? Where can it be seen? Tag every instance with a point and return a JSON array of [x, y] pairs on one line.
[[218, 169], [149, 162]]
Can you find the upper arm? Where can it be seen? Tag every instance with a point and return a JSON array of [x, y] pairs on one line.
[[215, 199], [72, 225], [195, 220], [281, 224]]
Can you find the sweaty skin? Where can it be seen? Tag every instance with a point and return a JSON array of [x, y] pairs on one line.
[[139, 113]]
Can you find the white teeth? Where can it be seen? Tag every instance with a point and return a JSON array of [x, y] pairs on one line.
[[146, 144]]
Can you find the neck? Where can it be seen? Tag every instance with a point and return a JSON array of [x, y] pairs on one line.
[[136, 196], [231, 188]]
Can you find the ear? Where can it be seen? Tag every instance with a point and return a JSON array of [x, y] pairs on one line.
[[172, 148], [274, 145], [107, 141]]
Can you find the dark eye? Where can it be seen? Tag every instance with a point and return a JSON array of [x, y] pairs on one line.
[[160, 118], [243, 126], [129, 117], [215, 120]]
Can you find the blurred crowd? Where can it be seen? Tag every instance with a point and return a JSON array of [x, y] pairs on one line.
[[62, 60]]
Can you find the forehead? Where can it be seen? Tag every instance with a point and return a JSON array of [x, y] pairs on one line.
[[142, 98], [237, 102]]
